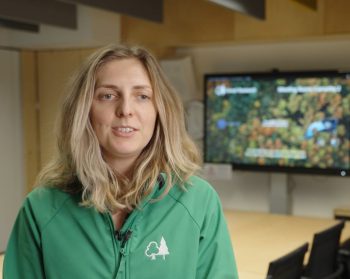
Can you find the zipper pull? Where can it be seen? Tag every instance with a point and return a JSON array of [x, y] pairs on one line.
[[119, 235], [126, 237]]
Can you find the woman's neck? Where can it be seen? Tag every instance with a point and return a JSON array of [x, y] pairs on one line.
[[123, 166], [118, 218]]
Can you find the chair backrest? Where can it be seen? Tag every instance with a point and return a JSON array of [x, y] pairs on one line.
[[344, 257], [323, 256], [289, 266]]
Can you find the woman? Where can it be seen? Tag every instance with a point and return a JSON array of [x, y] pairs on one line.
[[120, 198]]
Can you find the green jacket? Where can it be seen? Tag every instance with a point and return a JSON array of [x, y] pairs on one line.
[[183, 235]]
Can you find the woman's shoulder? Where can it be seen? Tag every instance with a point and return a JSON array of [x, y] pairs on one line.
[[43, 202], [200, 184], [199, 197], [195, 187], [47, 196]]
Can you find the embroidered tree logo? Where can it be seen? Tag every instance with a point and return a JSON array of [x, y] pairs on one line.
[[163, 248], [153, 249]]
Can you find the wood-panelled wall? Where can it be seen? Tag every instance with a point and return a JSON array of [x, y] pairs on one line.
[[44, 75], [30, 113], [197, 22]]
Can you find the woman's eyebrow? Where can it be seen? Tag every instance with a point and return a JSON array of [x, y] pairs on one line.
[[114, 87], [108, 86], [147, 87]]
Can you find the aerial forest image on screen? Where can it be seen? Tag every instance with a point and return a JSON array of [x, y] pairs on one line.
[[282, 121]]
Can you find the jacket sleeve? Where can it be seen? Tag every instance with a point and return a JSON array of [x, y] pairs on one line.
[[23, 256], [216, 258]]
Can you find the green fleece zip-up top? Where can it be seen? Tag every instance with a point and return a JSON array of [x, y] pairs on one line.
[[183, 236]]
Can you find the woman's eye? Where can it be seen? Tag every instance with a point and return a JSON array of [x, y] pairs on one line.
[[144, 97], [107, 96]]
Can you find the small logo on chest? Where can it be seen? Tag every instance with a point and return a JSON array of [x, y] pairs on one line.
[[154, 250]]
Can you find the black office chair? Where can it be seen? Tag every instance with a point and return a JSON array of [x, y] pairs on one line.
[[344, 258], [289, 266], [323, 261]]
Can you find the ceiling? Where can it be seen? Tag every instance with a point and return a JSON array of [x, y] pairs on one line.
[[27, 15]]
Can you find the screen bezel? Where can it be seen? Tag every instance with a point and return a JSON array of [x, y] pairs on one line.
[[261, 168]]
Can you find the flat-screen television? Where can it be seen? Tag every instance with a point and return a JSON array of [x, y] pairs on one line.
[[279, 121]]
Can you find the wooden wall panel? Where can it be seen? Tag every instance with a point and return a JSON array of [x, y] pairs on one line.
[[84, 53], [337, 17], [284, 20], [44, 75], [54, 69], [185, 22], [30, 117], [11, 144]]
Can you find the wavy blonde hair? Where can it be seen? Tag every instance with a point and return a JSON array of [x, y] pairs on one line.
[[78, 166]]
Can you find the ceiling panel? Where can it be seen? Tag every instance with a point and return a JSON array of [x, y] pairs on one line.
[[40, 11], [146, 9], [255, 8]]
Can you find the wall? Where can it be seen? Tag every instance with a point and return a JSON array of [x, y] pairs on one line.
[[44, 75], [54, 73], [311, 195], [11, 159]]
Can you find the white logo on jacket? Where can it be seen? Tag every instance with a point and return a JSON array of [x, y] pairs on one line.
[[153, 249]]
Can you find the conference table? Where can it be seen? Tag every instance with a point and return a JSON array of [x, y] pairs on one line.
[[259, 238]]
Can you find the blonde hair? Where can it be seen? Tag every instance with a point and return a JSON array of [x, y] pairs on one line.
[[79, 166]]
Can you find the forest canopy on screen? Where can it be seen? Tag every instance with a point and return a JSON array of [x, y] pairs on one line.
[[283, 121]]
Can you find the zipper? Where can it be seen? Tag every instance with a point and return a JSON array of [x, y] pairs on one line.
[[121, 240], [114, 241], [120, 237], [124, 238]]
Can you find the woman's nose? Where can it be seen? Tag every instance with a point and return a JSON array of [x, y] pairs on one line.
[[124, 108]]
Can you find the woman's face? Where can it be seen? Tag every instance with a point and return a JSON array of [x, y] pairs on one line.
[[123, 113]]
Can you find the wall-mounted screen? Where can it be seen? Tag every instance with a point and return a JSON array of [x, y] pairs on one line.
[[280, 121]]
